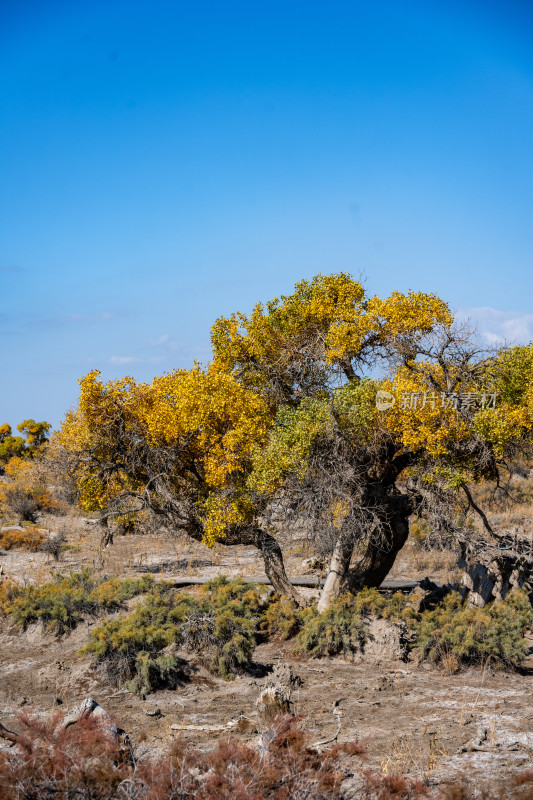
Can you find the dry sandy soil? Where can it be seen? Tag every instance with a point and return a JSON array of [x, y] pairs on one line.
[[412, 718]]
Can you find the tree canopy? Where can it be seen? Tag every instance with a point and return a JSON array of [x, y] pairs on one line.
[[351, 411], [35, 434]]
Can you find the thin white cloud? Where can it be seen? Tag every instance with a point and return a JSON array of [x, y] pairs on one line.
[[165, 341], [124, 360], [497, 327], [162, 340]]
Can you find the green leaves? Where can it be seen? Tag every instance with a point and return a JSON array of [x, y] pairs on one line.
[[60, 604], [339, 630], [351, 410]]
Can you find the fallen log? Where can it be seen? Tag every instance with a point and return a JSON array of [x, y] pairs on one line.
[[386, 586]]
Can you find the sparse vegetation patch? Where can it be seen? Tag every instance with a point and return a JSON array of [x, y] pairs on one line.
[[219, 625], [61, 603], [454, 632]]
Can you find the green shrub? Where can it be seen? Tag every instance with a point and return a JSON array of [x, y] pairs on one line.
[[371, 603], [220, 625], [60, 604], [472, 635], [281, 619], [343, 628], [130, 646], [339, 630]]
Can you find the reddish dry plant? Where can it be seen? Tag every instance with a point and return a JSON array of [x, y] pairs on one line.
[[517, 787], [284, 767], [49, 761], [390, 787], [82, 762]]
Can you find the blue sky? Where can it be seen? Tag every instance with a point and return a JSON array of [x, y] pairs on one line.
[[165, 163]]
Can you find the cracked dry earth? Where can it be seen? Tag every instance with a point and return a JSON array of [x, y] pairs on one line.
[[412, 718]]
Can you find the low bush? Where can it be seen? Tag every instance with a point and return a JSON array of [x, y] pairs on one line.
[[281, 619], [452, 634], [82, 762], [31, 539], [61, 603], [22, 494], [371, 603], [472, 635], [141, 647], [235, 606], [339, 630], [343, 628], [50, 762]]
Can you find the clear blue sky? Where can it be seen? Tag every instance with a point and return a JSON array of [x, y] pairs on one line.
[[164, 163]]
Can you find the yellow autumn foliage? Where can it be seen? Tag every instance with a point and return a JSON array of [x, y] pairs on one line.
[[328, 320], [287, 376], [205, 414]]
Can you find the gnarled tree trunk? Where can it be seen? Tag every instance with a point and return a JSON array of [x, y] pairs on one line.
[[274, 566], [272, 557], [378, 560], [374, 566]]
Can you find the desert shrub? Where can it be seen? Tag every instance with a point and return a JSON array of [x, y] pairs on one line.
[[219, 625], [235, 606], [61, 603], [26, 490], [281, 619], [54, 544], [451, 634], [20, 503], [339, 630], [49, 762], [82, 762], [371, 603], [9, 590], [130, 647], [31, 539], [49, 503], [110, 594], [472, 635], [286, 767], [343, 628]]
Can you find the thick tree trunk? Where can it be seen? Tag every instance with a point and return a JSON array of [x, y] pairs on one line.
[[272, 558], [248, 535], [339, 566], [372, 569], [377, 562]]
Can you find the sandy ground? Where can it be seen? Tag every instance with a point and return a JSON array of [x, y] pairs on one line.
[[412, 718]]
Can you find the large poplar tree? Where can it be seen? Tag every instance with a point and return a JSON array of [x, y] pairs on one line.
[[348, 411]]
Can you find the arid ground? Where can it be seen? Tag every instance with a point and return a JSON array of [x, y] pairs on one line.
[[413, 718]]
